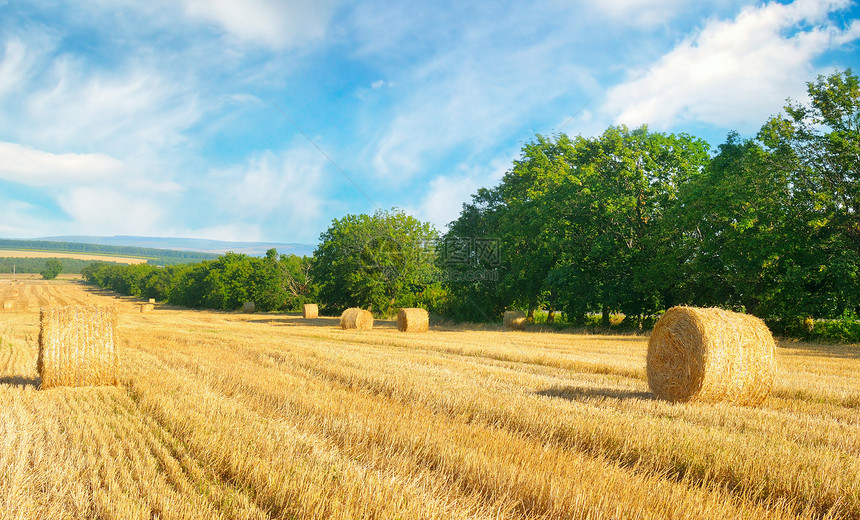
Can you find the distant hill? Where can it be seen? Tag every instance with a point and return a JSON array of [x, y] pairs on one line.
[[190, 244]]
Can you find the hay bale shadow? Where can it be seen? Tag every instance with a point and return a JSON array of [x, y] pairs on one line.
[[576, 393], [21, 381]]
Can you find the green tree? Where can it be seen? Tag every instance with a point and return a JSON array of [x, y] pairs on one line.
[[772, 224], [580, 221], [614, 204], [52, 269], [821, 142], [471, 297], [380, 261]]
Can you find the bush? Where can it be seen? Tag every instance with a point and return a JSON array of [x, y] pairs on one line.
[[52, 269]]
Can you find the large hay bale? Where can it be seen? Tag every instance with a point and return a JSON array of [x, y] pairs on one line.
[[515, 320], [711, 355], [355, 318], [147, 307], [310, 311], [249, 307], [77, 346], [413, 320]]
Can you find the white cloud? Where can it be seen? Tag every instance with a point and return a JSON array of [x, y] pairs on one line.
[[24, 220], [271, 190], [446, 194], [459, 100], [127, 111], [645, 13], [108, 211], [733, 73], [445, 198], [13, 67], [275, 23], [25, 165]]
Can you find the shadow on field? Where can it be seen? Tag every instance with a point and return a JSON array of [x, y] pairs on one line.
[[295, 320], [575, 393], [20, 381], [842, 351]]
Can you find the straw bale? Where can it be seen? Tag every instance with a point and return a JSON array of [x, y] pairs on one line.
[[152, 300], [7, 306], [710, 355], [77, 346], [249, 307], [515, 320], [355, 318], [147, 307], [310, 311], [413, 320]]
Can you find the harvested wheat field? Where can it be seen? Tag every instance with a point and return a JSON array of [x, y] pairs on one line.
[[230, 415]]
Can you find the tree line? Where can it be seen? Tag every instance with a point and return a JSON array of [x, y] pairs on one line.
[[631, 221], [635, 221], [274, 282], [39, 265]]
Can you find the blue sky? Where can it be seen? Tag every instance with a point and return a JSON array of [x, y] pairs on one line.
[[164, 118]]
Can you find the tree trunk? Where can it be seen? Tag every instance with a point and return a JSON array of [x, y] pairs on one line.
[[604, 320]]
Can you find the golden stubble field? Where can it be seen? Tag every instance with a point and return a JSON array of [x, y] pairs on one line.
[[9, 253], [223, 415]]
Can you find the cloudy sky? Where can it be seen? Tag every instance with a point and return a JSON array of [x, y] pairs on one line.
[[265, 119]]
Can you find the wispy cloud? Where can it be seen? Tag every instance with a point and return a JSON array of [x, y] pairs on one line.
[[458, 101], [733, 73], [271, 189], [445, 194], [108, 211], [644, 13], [274, 23], [25, 165]]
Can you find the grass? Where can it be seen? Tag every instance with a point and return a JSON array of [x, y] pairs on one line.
[[223, 415]]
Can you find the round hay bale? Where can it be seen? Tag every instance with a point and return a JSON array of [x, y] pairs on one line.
[[147, 307], [710, 355], [7, 306], [249, 307], [310, 311], [413, 320], [355, 318], [515, 320], [152, 300], [347, 317], [77, 346]]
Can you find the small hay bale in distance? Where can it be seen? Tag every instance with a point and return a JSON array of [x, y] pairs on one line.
[[310, 311], [249, 307], [147, 307], [515, 320], [77, 346], [7, 306], [711, 355], [413, 320], [355, 318], [152, 300]]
